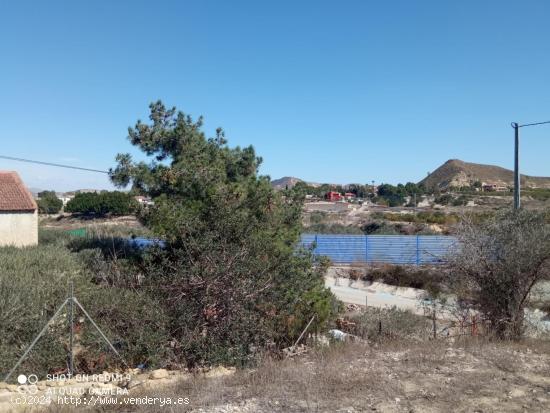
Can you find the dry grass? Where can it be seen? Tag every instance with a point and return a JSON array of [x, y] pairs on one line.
[[112, 226], [294, 385], [400, 376]]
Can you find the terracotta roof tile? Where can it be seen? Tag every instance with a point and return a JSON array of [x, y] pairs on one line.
[[14, 196]]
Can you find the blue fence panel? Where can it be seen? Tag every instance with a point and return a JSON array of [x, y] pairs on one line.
[[393, 249], [342, 249], [434, 249]]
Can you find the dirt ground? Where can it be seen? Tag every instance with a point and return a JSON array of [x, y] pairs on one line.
[[432, 377], [68, 221], [355, 215], [437, 376]]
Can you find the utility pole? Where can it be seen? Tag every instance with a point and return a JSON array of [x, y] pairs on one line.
[[517, 183]]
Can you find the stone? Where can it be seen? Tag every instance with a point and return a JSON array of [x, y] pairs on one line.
[[219, 371], [517, 393], [133, 384], [159, 374]]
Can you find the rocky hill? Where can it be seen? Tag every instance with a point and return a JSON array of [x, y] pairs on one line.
[[457, 173], [284, 182], [289, 182]]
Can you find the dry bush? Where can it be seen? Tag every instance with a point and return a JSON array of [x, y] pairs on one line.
[[34, 282], [390, 324], [427, 279], [498, 263]]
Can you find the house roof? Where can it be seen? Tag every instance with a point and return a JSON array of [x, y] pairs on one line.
[[14, 195]]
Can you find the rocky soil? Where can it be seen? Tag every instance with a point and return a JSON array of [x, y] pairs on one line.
[[437, 376]]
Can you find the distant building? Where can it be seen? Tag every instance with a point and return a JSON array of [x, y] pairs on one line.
[[64, 197], [144, 200], [88, 191], [333, 196], [493, 187], [18, 212], [350, 195]]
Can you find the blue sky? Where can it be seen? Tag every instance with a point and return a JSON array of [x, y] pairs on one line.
[[348, 91]]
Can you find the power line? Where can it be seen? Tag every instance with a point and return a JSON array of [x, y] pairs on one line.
[[58, 165], [534, 124], [517, 180]]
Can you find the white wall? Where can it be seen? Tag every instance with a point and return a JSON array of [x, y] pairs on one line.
[[18, 228]]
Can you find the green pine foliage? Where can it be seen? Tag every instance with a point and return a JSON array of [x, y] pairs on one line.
[[230, 276]]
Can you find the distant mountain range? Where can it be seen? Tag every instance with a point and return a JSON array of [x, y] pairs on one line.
[[289, 182], [454, 173], [457, 173]]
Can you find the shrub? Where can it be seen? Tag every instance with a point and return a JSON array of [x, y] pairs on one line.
[[423, 217], [49, 203], [133, 321], [53, 236], [541, 194], [317, 217], [545, 307], [379, 228], [34, 282], [332, 229], [390, 323], [462, 200], [498, 263], [430, 280], [444, 199], [103, 203]]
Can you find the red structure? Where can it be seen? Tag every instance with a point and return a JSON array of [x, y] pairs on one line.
[[333, 196]]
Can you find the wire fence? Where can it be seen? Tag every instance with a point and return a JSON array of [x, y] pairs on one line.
[[391, 249]]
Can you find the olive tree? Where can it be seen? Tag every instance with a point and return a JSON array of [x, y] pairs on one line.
[[497, 264]]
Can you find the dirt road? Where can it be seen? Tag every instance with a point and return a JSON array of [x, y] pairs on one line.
[[376, 294]]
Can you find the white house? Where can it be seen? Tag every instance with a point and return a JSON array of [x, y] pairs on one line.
[[18, 212]]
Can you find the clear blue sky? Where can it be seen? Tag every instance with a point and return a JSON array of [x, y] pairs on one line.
[[346, 91]]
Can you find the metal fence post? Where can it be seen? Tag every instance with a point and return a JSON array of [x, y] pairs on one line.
[[71, 329], [315, 249], [417, 250], [367, 249], [434, 324]]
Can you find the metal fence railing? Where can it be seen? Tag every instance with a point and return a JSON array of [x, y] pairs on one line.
[[392, 249]]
